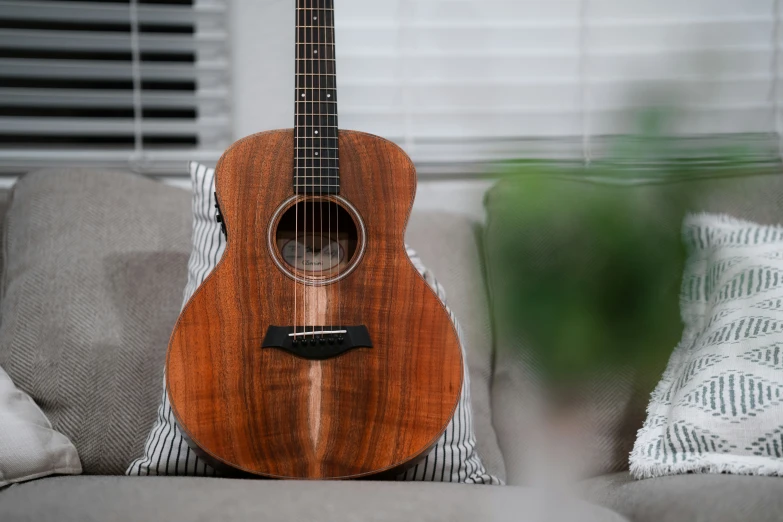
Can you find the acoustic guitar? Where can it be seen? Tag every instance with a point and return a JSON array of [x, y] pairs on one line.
[[314, 350]]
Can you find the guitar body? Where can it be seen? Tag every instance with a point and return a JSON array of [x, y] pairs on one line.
[[270, 412]]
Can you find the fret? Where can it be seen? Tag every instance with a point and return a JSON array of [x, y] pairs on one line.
[[323, 133], [335, 189], [315, 146], [314, 49], [326, 164], [307, 160], [309, 144], [306, 133], [316, 162], [317, 131], [325, 157], [315, 97], [317, 154], [323, 154]]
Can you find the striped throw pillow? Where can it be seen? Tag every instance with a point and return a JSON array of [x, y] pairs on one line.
[[453, 459]]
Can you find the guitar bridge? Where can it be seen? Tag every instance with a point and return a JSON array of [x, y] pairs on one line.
[[317, 342]]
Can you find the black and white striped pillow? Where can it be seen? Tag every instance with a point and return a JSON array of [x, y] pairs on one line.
[[453, 459]]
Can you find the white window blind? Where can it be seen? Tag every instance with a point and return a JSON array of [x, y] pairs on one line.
[[470, 81], [127, 83]]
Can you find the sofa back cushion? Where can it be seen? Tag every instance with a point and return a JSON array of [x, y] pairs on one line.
[[611, 408], [96, 268]]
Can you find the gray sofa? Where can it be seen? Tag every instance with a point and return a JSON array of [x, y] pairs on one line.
[[94, 265]]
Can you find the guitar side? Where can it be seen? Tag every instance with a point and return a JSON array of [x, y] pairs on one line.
[[270, 413]]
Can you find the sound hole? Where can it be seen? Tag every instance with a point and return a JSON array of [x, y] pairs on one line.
[[316, 238]]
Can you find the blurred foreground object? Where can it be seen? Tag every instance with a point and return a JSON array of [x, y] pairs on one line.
[[584, 267], [604, 294]]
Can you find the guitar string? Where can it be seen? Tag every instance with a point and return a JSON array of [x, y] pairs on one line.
[[331, 238], [325, 205], [333, 46], [306, 132], [330, 87], [320, 136], [311, 77], [296, 176]]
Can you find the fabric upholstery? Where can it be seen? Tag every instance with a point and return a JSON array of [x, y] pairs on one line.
[[717, 406], [129, 499], [452, 459], [691, 498], [5, 197], [95, 266], [612, 407], [29, 447], [449, 245]]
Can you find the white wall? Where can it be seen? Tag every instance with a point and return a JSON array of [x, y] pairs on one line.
[[262, 34]]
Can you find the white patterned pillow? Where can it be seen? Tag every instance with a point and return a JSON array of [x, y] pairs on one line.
[[718, 407], [453, 459], [29, 447]]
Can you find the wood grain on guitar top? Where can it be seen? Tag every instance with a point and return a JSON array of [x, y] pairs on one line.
[[268, 412]]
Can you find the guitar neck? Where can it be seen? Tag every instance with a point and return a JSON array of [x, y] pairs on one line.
[[316, 154]]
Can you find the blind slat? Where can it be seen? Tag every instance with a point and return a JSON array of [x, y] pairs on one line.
[[77, 69], [107, 12], [85, 98], [77, 126], [80, 40]]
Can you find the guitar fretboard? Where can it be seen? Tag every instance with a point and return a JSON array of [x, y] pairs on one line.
[[316, 154]]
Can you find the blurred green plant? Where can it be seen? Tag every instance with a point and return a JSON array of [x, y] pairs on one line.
[[589, 260]]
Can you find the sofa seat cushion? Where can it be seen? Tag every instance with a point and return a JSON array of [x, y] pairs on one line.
[[694, 497], [125, 499]]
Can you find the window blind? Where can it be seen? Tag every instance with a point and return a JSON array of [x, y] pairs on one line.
[[465, 82], [126, 83]]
